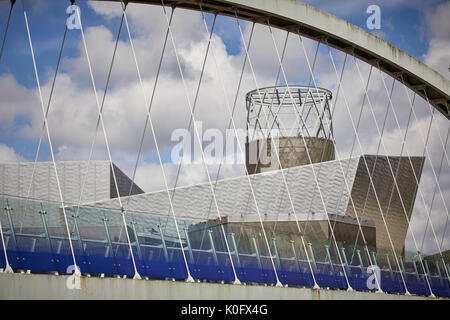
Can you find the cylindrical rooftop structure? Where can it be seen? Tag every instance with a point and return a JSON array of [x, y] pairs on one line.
[[294, 119]]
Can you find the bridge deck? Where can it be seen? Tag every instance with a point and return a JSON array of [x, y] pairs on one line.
[[43, 286]]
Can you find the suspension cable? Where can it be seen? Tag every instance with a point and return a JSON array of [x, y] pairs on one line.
[[418, 187], [194, 106], [46, 115], [366, 198], [417, 181], [338, 158], [6, 29], [282, 173], [366, 165], [278, 283], [446, 220], [356, 131], [309, 159], [229, 123], [177, 177], [436, 178], [432, 110], [149, 119], [100, 111], [392, 172], [331, 132], [77, 271], [7, 266], [91, 151], [190, 107]]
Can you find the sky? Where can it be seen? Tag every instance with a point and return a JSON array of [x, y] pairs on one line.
[[422, 31]]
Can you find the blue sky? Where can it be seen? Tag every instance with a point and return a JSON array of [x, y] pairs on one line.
[[422, 31], [403, 22], [404, 25]]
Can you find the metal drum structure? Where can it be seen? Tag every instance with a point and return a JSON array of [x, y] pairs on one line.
[[305, 113], [309, 209]]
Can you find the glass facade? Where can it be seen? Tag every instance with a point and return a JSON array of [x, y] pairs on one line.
[[36, 239]]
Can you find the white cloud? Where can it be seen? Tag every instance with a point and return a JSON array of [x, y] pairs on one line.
[[16, 100], [7, 154], [438, 54], [438, 21], [73, 113]]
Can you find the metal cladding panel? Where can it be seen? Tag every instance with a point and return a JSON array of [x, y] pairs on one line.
[[396, 209], [291, 152], [25, 180], [234, 197]]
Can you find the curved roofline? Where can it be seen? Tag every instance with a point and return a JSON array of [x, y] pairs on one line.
[[300, 18], [291, 86]]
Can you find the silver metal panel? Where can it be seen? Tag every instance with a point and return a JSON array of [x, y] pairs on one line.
[[235, 200], [394, 212], [16, 178]]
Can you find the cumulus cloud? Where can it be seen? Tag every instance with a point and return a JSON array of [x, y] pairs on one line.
[[438, 54], [7, 154], [74, 113]]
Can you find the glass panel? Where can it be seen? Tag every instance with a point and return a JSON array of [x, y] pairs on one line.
[[101, 247]]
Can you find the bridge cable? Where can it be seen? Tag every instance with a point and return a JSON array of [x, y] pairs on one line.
[[432, 110], [229, 124], [356, 131], [344, 174], [251, 179], [188, 128], [91, 151], [77, 271], [149, 110], [278, 283], [435, 190], [367, 193], [100, 111], [300, 116], [331, 132], [349, 288], [282, 173], [8, 268], [446, 220], [420, 190], [149, 120], [390, 166], [436, 178], [190, 107], [36, 158], [6, 29], [261, 150], [365, 163], [417, 182]]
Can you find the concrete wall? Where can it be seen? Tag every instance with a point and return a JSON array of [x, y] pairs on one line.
[[34, 286]]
